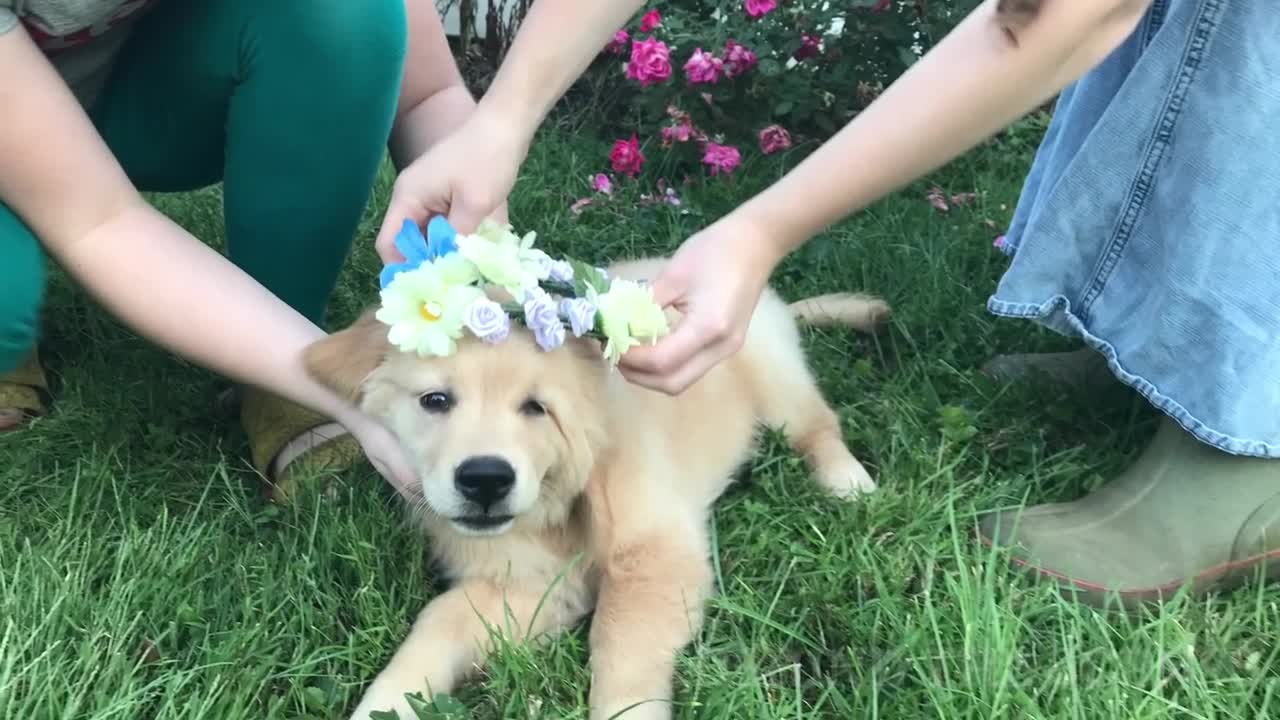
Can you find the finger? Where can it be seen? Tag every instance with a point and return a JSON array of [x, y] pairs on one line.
[[665, 288], [682, 379], [397, 475], [501, 214], [465, 213], [392, 221], [669, 353]]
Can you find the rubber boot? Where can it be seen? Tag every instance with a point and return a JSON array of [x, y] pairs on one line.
[[1083, 370], [1183, 515]]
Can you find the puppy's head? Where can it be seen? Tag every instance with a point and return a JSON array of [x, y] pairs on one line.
[[501, 435]]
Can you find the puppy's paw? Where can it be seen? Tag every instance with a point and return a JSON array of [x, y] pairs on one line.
[[633, 710], [847, 481], [380, 702]]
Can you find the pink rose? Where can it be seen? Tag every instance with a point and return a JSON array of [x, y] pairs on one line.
[[774, 138], [810, 45], [737, 59], [681, 130], [626, 156], [618, 45], [651, 20], [601, 183], [703, 67], [650, 62], [882, 5], [676, 133], [760, 8], [721, 158]]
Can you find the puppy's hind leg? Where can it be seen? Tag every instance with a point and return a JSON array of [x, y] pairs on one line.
[[792, 401]]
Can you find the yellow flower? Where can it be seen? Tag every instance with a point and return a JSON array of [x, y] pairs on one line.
[[457, 270], [498, 262], [504, 258], [496, 232], [425, 307], [628, 313]]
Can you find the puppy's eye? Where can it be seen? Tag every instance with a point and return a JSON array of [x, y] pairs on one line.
[[436, 402], [533, 408]]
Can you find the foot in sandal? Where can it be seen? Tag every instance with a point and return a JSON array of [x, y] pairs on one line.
[[24, 394]]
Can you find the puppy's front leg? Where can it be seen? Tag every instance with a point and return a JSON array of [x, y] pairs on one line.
[[649, 608], [453, 635]]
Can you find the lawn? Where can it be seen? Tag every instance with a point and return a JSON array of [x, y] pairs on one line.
[[144, 575]]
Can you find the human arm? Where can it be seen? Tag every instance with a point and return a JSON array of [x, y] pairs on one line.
[[468, 176], [58, 175], [434, 100], [545, 59], [975, 82]]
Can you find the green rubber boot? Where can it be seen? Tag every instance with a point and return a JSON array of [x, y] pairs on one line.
[[1083, 370], [1184, 514]]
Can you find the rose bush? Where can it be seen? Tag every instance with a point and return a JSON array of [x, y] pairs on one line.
[[705, 83]]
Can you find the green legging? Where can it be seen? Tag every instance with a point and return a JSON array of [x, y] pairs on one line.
[[288, 102]]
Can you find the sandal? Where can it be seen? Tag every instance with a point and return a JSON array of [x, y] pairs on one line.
[[286, 438], [24, 394]]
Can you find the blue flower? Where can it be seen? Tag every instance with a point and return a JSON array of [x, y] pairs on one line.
[[441, 239]]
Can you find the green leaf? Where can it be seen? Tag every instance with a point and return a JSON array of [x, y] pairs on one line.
[[584, 275], [448, 707], [770, 67], [315, 698], [783, 108], [421, 708], [906, 56], [957, 423]]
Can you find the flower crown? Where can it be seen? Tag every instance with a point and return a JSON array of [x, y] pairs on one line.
[[439, 291]]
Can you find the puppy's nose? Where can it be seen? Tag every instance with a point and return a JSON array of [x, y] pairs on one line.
[[484, 480]]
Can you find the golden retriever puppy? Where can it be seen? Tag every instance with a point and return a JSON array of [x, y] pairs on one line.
[[551, 487]]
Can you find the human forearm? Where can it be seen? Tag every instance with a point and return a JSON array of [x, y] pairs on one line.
[[428, 122], [434, 100], [176, 291], [556, 42], [159, 279], [974, 83]]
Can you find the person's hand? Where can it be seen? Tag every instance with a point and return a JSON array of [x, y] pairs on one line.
[[385, 453], [465, 177], [714, 280]]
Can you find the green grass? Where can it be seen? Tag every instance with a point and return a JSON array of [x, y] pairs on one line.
[[143, 575]]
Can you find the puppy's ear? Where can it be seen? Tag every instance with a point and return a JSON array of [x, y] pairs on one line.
[[582, 416], [344, 360]]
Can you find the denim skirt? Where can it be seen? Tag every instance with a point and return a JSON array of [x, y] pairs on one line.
[[1149, 225]]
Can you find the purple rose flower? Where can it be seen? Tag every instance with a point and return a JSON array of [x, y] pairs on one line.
[[487, 320], [541, 317], [580, 313], [542, 263], [561, 271]]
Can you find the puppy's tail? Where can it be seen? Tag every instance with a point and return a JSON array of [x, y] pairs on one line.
[[852, 310]]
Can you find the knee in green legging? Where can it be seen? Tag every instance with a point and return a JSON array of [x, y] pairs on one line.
[[355, 51], [22, 277]]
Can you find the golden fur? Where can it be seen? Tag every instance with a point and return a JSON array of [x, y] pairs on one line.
[[613, 486]]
